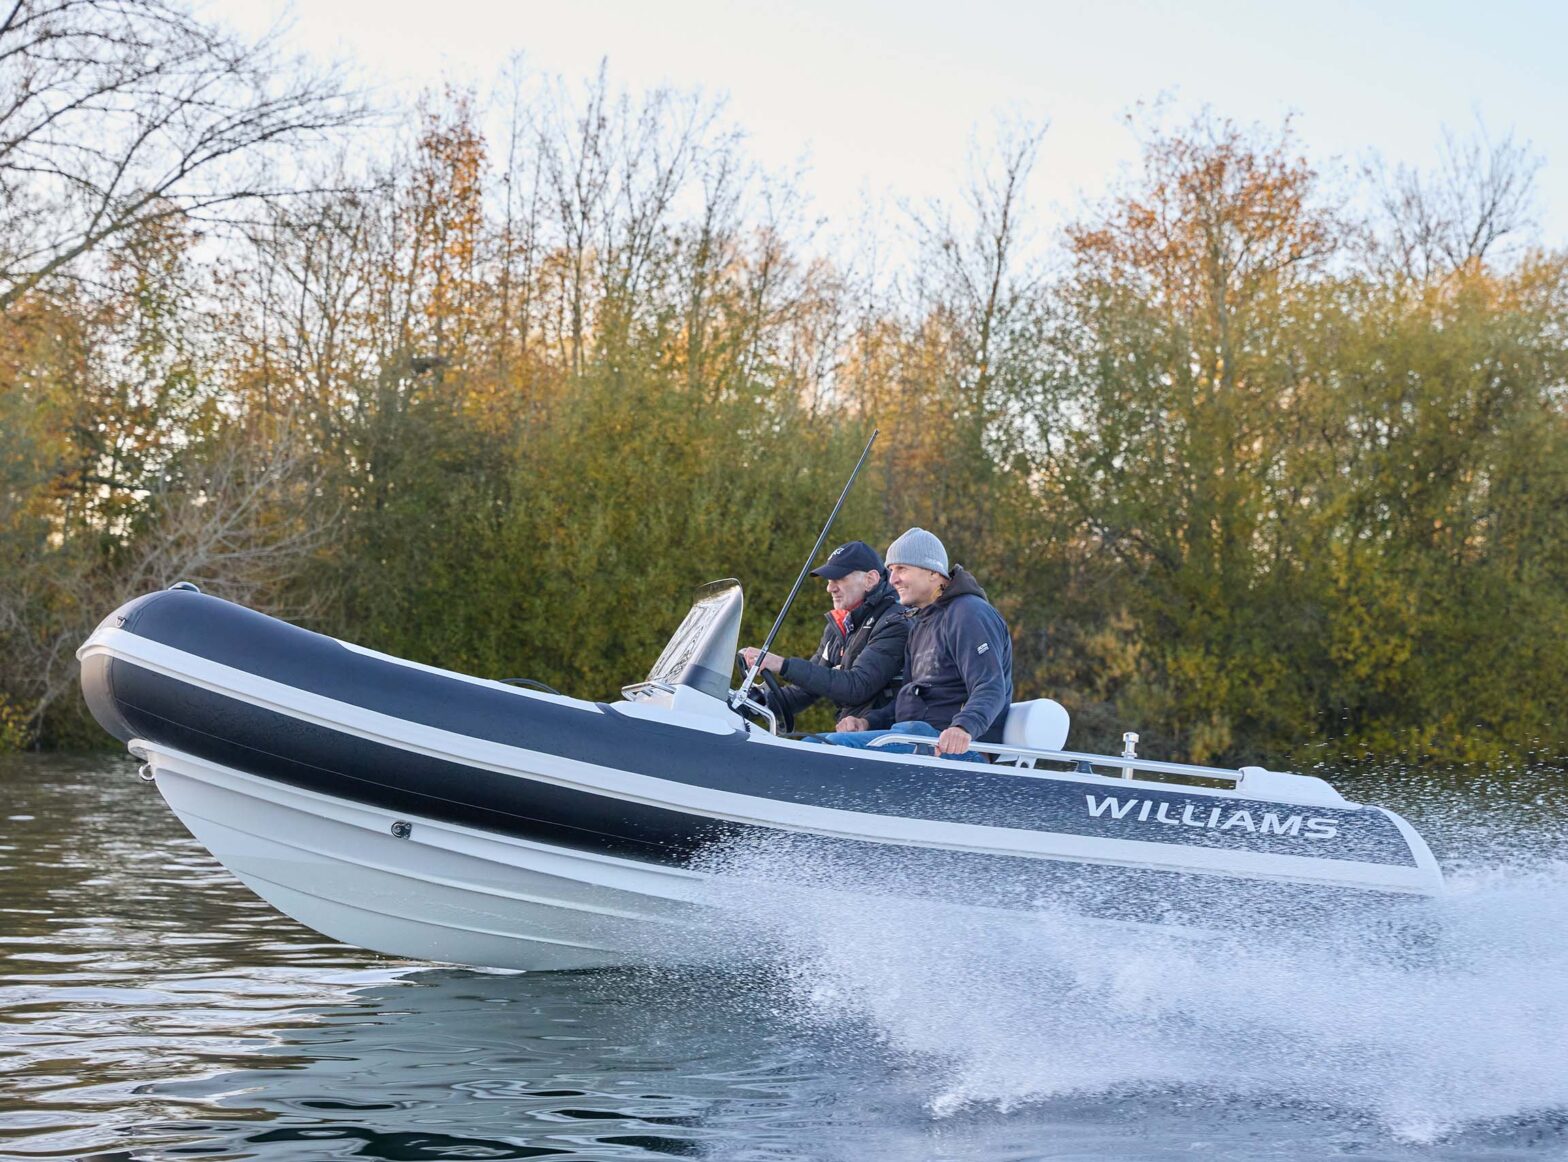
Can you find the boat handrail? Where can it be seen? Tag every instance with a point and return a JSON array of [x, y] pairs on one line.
[[754, 707], [656, 687], [1077, 758]]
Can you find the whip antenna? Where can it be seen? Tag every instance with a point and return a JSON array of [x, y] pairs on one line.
[[751, 674]]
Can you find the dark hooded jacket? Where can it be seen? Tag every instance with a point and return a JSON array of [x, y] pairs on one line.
[[859, 667], [959, 665]]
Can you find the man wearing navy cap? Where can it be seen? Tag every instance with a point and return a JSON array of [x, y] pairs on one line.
[[859, 665]]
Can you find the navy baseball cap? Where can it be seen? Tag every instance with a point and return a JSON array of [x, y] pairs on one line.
[[853, 557]]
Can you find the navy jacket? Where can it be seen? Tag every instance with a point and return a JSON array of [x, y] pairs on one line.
[[859, 667], [959, 665]]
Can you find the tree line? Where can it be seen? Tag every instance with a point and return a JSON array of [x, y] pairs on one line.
[[1266, 464]]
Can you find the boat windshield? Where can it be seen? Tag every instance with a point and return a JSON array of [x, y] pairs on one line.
[[702, 651]]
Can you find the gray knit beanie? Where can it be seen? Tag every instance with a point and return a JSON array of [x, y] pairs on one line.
[[919, 548]]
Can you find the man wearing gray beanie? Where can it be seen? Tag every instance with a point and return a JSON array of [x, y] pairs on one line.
[[958, 661]]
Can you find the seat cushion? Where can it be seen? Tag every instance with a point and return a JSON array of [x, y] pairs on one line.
[[1041, 724]]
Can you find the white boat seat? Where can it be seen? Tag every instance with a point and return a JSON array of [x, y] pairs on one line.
[[1040, 724]]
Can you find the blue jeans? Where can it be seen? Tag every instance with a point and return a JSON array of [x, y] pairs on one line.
[[862, 740]]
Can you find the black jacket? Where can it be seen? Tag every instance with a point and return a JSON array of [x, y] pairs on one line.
[[858, 668], [959, 666]]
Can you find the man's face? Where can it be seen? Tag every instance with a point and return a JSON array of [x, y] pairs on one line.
[[917, 587], [850, 590]]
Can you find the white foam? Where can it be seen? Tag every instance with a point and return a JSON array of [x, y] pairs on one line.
[[1455, 1012]]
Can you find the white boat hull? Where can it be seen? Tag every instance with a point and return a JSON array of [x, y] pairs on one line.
[[442, 893]]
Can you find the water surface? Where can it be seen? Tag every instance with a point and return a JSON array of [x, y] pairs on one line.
[[151, 1008]]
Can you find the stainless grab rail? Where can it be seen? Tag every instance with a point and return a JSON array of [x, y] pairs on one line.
[[759, 708], [1074, 757], [630, 692]]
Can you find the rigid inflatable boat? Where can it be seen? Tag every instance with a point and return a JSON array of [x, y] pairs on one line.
[[429, 814]]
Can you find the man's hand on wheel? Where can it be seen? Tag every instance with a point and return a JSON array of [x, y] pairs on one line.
[[771, 662]]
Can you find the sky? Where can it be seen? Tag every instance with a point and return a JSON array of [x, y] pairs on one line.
[[876, 98]]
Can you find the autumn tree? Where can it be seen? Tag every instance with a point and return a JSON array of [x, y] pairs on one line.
[[1450, 558], [127, 128], [1174, 421]]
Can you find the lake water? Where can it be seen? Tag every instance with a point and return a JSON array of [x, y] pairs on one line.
[[151, 1008]]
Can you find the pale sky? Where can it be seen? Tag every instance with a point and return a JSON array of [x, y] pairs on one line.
[[878, 97]]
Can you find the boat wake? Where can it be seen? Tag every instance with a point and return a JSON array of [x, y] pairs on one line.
[[1428, 1017]]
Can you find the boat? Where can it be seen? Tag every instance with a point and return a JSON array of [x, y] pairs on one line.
[[429, 814]]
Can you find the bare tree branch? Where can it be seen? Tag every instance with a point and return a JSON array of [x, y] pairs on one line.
[[111, 112], [1480, 194]]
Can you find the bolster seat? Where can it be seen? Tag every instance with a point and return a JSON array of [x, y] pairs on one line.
[[1040, 724]]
